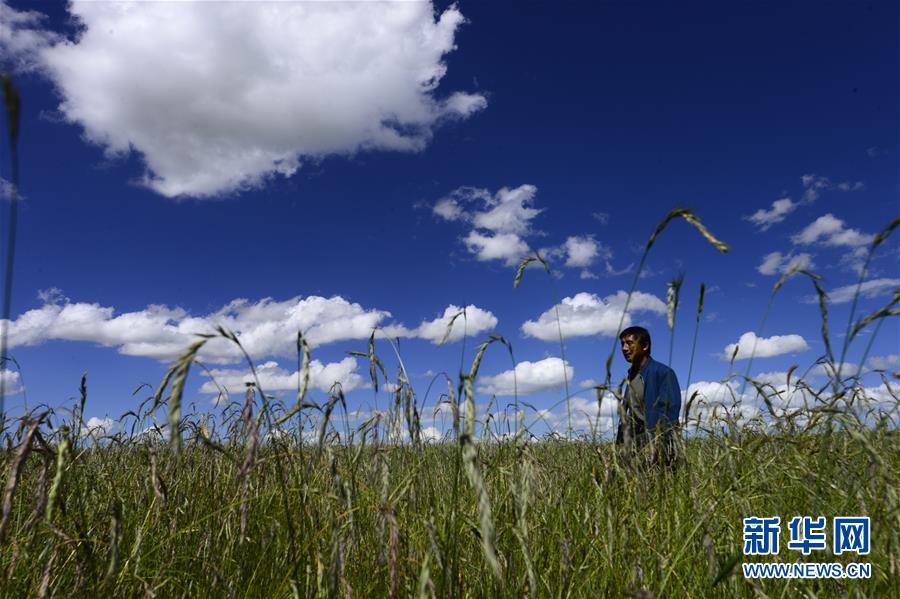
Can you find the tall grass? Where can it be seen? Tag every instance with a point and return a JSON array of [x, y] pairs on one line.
[[364, 518]]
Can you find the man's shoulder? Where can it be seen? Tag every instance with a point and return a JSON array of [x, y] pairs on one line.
[[657, 368]]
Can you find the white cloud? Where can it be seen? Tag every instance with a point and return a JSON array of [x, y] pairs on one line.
[[882, 399], [99, 427], [830, 231], [21, 38], [765, 347], [825, 370], [869, 289], [449, 209], [715, 400], [764, 219], [265, 328], [582, 251], [6, 187], [508, 247], [712, 393], [773, 378], [457, 204], [579, 251], [10, 381], [431, 434], [272, 377], [242, 91], [725, 398], [587, 415], [588, 314], [614, 273], [814, 185], [889, 362], [474, 322], [529, 377], [601, 217], [499, 221], [509, 211], [776, 263]]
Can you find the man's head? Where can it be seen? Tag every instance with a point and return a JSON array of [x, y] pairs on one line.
[[635, 345]]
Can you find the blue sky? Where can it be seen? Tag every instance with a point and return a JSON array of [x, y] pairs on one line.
[[336, 166]]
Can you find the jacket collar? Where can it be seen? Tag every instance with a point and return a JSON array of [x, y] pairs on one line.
[[643, 370], [632, 372]]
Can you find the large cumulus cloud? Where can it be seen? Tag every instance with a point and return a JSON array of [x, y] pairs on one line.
[[220, 96]]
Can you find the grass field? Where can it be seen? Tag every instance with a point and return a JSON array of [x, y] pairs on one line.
[[378, 520]]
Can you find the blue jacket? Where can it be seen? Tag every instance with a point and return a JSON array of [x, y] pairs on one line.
[[662, 396]]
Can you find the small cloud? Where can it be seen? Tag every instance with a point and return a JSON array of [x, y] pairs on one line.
[[473, 321], [508, 247], [499, 221], [579, 251], [776, 263], [649, 272], [825, 369], [612, 272], [10, 381], [889, 362], [601, 217], [509, 211], [869, 289], [99, 427], [764, 347], [23, 38], [53, 295], [6, 188], [772, 378], [431, 434], [582, 251], [764, 219], [831, 231], [449, 209], [875, 152], [529, 377], [588, 314], [814, 185]]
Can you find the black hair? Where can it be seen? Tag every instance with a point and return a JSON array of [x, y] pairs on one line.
[[640, 333]]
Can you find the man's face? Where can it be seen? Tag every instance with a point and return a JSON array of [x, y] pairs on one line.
[[632, 350]]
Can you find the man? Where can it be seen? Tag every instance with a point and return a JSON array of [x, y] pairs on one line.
[[652, 403]]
